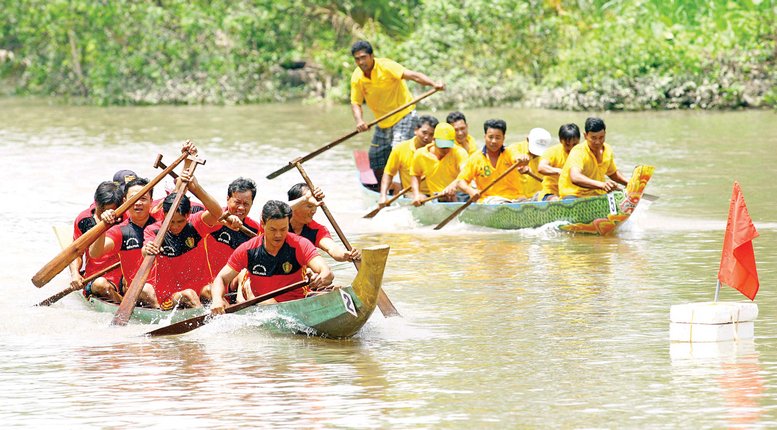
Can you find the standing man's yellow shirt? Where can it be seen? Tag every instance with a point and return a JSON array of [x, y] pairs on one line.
[[581, 157], [401, 161], [479, 168], [529, 185], [439, 173], [556, 157], [383, 92]]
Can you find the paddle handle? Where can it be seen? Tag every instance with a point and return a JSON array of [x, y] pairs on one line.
[[80, 245], [56, 297], [384, 303], [331, 144], [190, 324], [472, 200], [127, 305]]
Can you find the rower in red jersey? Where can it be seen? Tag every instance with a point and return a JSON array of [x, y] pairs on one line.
[[274, 259], [181, 275], [125, 240], [107, 197]]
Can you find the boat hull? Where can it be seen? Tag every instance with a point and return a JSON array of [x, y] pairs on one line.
[[339, 313], [599, 215]]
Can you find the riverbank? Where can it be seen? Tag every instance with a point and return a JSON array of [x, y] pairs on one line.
[[588, 55]]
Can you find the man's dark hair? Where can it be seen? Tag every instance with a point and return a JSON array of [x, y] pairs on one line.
[[138, 181], [594, 124], [297, 191], [498, 124], [455, 116], [241, 185], [107, 192], [275, 209], [568, 131], [426, 119], [361, 45], [184, 208]]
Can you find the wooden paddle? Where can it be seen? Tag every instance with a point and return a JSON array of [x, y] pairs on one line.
[[190, 324], [384, 303], [56, 297], [331, 144], [80, 245], [432, 197], [473, 198], [401, 193], [127, 305]]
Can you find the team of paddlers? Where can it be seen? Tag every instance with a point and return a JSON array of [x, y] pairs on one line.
[[210, 252]]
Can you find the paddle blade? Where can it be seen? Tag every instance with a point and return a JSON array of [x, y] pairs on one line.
[[374, 212], [181, 327], [57, 297], [280, 171]]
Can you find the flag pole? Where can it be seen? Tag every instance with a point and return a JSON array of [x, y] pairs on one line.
[[717, 291]]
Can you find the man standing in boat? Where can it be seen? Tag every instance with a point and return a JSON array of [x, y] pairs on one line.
[[181, 273], [126, 241], [304, 205], [440, 162], [552, 161], [380, 83], [483, 166], [274, 259], [401, 158], [590, 169]]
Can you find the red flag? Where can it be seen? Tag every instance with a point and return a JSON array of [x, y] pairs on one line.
[[737, 264]]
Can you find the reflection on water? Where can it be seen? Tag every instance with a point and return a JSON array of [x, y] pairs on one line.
[[501, 329]]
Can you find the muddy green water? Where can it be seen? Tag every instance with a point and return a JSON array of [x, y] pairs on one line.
[[500, 329]]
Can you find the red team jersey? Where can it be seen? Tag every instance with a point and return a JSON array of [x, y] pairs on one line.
[[128, 240], [267, 272], [83, 223], [221, 243], [181, 262]]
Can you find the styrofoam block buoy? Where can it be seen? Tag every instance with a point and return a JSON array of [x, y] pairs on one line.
[[712, 321]]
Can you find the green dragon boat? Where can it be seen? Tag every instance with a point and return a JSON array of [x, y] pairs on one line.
[[599, 215], [338, 313]]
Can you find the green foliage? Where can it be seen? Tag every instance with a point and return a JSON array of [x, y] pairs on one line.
[[582, 54]]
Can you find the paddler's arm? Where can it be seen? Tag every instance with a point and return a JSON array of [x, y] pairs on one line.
[[337, 251], [581, 180], [224, 278], [322, 274], [422, 79], [462, 185], [415, 184], [358, 116], [315, 197], [546, 169], [103, 244], [385, 183], [619, 178], [213, 209]]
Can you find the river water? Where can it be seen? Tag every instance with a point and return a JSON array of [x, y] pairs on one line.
[[500, 328]]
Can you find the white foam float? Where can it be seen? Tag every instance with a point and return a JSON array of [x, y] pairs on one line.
[[712, 321]]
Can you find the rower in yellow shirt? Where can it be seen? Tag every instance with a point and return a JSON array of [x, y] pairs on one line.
[[440, 162], [590, 169], [463, 138], [486, 165], [552, 161], [401, 158], [533, 146]]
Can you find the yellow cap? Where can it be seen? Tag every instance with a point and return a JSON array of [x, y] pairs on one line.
[[444, 135]]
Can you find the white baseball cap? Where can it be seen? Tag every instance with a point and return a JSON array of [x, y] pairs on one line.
[[539, 141]]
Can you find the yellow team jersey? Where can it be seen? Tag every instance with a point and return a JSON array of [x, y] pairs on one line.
[[473, 146], [384, 91], [439, 173], [581, 157], [529, 185], [401, 161], [556, 157], [479, 168]]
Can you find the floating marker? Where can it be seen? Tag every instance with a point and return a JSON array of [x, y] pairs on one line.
[[712, 321]]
